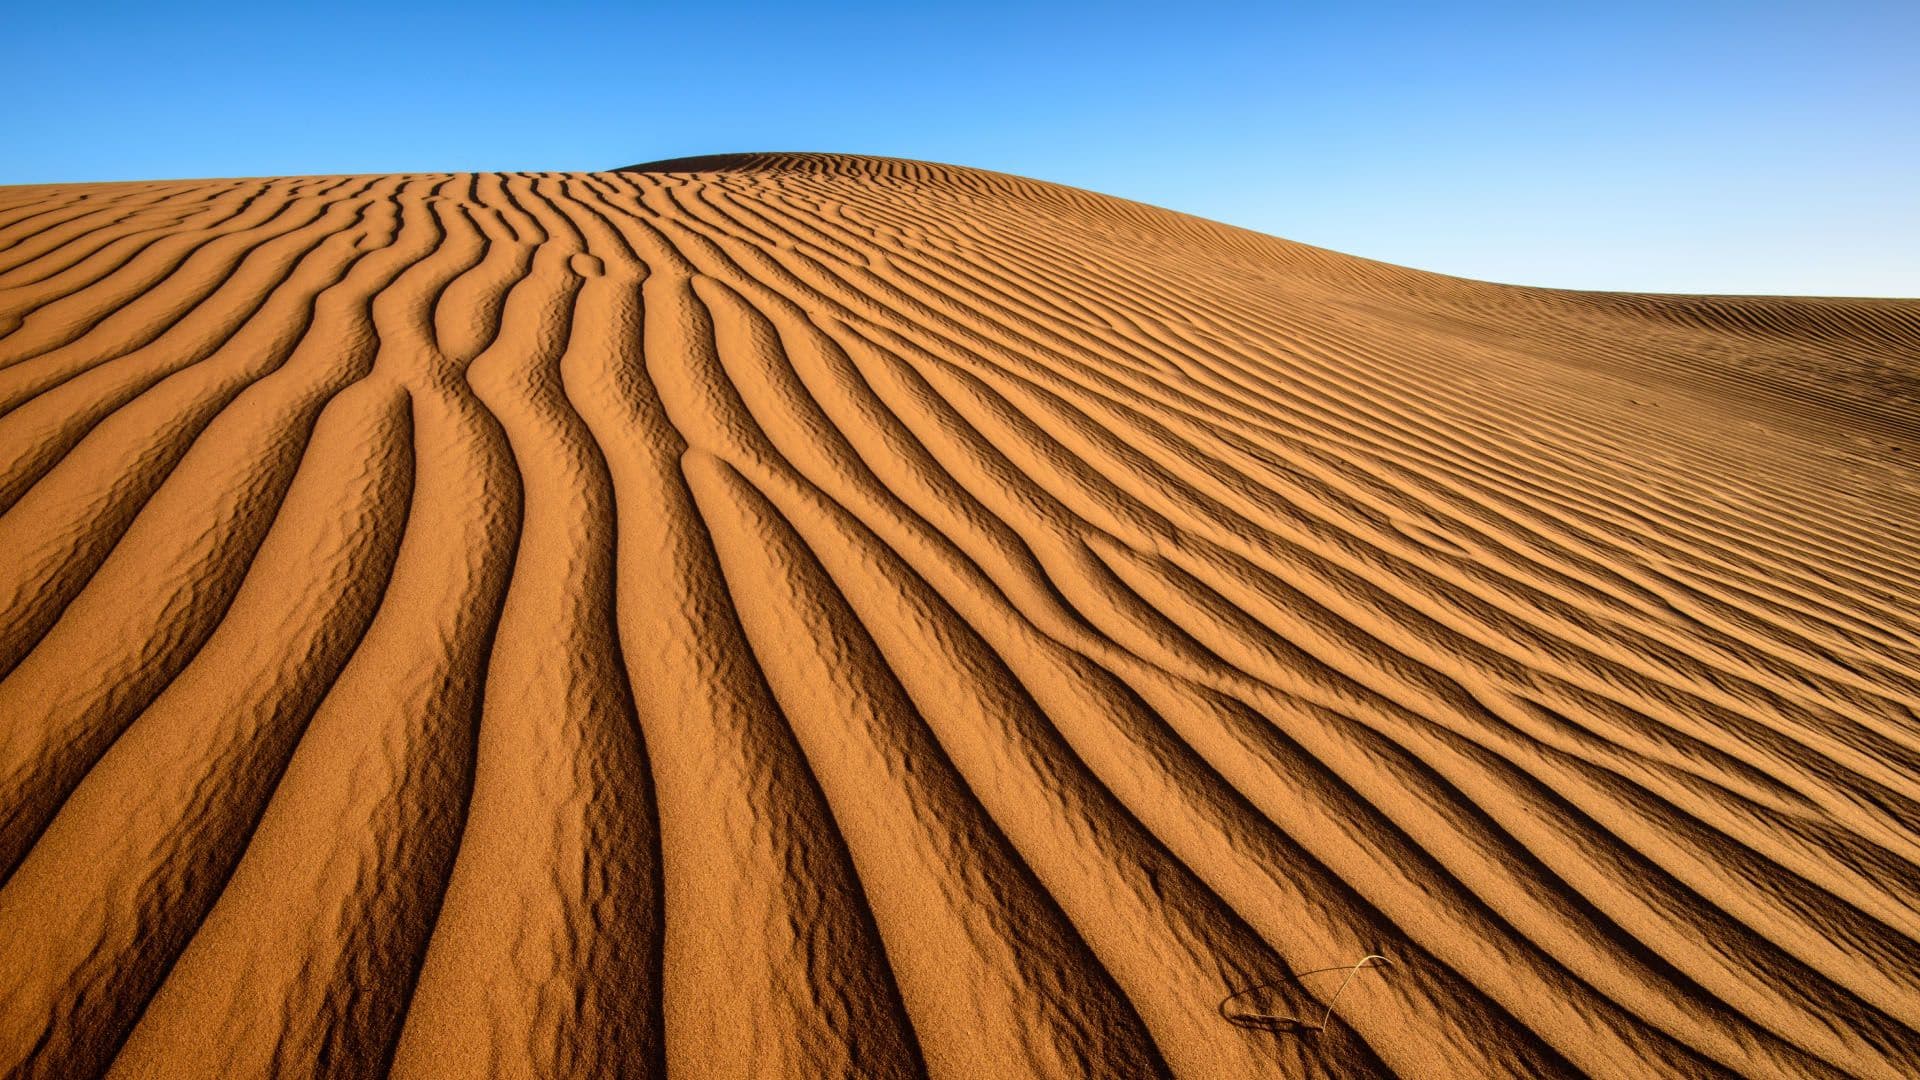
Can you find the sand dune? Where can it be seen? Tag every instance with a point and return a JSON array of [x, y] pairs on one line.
[[797, 615]]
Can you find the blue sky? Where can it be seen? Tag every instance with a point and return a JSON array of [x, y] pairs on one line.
[[1690, 147]]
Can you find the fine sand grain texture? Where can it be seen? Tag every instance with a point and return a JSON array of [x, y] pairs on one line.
[[815, 616]]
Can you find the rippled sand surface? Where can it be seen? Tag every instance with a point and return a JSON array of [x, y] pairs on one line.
[[799, 615]]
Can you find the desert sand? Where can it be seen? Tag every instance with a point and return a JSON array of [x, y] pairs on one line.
[[806, 615]]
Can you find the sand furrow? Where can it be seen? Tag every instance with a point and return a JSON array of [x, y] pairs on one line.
[[771, 961], [544, 960], [166, 811]]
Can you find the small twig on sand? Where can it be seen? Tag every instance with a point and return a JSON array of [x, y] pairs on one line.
[[1275, 1022]]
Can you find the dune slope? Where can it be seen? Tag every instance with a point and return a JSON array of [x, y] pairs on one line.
[[797, 615]]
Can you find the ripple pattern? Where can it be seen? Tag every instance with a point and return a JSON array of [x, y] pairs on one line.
[[806, 615]]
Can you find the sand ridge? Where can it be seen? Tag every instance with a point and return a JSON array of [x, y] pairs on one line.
[[811, 615]]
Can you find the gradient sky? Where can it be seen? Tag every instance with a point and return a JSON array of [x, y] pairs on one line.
[[1683, 147]]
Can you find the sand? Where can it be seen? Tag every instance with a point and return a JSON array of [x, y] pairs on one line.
[[801, 615]]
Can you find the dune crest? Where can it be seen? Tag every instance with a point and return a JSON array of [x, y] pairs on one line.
[[807, 615]]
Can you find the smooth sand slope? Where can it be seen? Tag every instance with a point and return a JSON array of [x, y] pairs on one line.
[[795, 615]]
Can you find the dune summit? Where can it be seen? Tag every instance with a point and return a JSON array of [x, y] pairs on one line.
[[801, 615]]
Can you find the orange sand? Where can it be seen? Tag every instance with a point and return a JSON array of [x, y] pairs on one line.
[[824, 616]]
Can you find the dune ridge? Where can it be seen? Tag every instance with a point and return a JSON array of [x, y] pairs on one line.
[[811, 615]]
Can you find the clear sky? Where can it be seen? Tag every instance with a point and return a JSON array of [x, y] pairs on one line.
[[1671, 146]]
